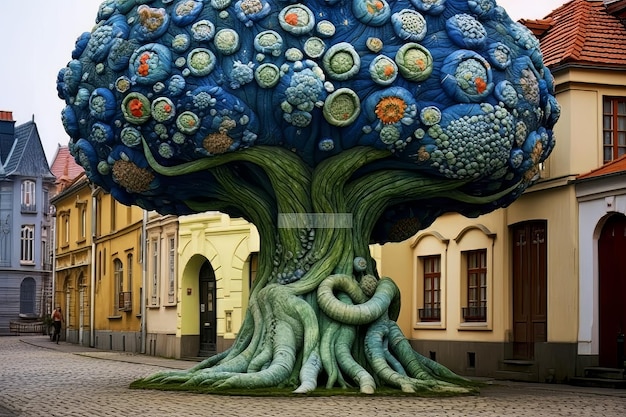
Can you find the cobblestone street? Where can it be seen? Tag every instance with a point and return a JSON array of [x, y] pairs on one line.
[[39, 378]]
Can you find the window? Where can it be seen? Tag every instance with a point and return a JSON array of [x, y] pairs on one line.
[[5, 244], [254, 267], [171, 286], [28, 196], [83, 223], [99, 219], [154, 288], [614, 128], [118, 275], [99, 272], [126, 299], [46, 201], [476, 309], [44, 255], [64, 228], [113, 215], [129, 274], [432, 289], [27, 239]]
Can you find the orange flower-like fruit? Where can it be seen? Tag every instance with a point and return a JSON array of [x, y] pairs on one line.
[[291, 18], [390, 110], [481, 85], [136, 107]]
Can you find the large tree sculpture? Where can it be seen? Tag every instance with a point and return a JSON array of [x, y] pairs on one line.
[[330, 125]]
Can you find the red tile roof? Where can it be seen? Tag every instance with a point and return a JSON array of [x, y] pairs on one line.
[[581, 32], [64, 167], [614, 167]]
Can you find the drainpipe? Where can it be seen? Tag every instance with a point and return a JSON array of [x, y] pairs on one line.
[[92, 289], [144, 277], [54, 258]]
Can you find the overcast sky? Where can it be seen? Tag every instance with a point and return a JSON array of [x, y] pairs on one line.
[[37, 38]]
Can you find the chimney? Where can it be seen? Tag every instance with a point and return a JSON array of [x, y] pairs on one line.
[[7, 134]]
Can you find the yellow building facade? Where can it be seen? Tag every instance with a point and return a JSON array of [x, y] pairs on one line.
[[72, 260], [98, 267], [117, 274], [514, 294], [199, 271]]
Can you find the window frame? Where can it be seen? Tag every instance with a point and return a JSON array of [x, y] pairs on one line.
[[28, 196], [154, 272], [614, 148], [171, 270], [118, 281], [113, 215], [63, 226], [27, 242], [28, 296], [253, 268], [83, 224], [475, 309], [431, 287]]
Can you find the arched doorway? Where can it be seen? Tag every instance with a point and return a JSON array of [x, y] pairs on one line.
[[208, 317], [27, 297], [612, 287]]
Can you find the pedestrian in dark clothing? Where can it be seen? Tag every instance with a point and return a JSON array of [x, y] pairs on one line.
[[57, 319]]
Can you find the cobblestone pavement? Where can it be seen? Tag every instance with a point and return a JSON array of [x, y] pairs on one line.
[[39, 378]]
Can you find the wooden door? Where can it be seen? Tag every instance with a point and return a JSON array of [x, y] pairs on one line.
[[612, 288], [529, 287]]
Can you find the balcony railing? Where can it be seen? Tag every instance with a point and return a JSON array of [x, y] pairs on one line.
[[29, 208], [125, 301], [429, 314], [475, 313]]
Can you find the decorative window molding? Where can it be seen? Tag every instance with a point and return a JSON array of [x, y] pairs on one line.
[[613, 128], [118, 278], [482, 228], [154, 272], [436, 235], [28, 200], [430, 250], [475, 309], [171, 270], [431, 311], [27, 241]]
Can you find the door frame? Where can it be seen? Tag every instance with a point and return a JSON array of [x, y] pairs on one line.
[[529, 303], [207, 309], [609, 289]]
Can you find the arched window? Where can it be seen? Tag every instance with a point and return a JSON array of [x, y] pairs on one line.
[[28, 196], [27, 238], [27, 296]]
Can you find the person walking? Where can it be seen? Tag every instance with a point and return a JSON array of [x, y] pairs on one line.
[[57, 319]]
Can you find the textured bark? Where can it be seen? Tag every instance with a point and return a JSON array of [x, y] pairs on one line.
[[318, 313]]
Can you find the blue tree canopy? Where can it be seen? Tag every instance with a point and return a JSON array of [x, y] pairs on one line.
[[453, 89]]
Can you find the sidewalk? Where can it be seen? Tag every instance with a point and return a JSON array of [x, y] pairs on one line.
[[44, 342]]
